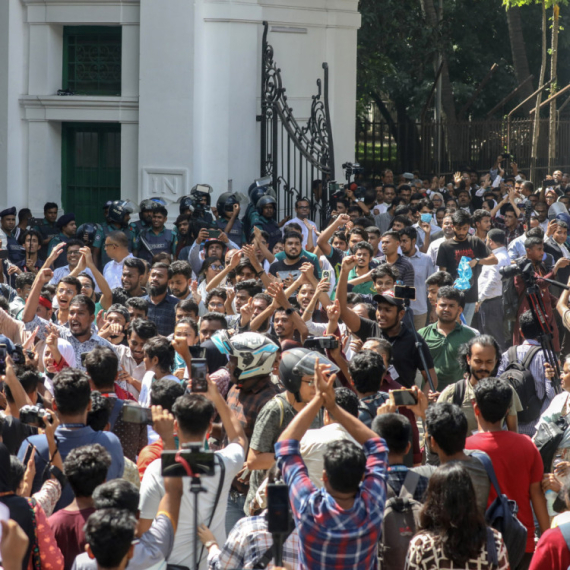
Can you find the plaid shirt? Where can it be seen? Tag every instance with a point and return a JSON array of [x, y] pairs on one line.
[[163, 314], [332, 538], [247, 405], [397, 475], [247, 543], [510, 235]]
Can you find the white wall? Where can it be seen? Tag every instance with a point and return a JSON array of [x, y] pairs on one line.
[[190, 89]]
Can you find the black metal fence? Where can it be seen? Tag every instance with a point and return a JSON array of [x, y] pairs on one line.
[[441, 148]]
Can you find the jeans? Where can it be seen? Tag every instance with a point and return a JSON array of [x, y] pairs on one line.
[[468, 312], [235, 512], [491, 315]]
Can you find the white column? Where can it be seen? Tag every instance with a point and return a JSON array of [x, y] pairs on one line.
[[130, 60], [46, 59], [129, 162], [166, 98], [43, 165]]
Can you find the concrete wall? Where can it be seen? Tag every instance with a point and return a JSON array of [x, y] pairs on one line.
[[190, 88]]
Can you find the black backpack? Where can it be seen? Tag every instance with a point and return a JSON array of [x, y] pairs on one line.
[[521, 379]]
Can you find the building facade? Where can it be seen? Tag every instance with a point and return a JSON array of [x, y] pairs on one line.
[[156, 96]]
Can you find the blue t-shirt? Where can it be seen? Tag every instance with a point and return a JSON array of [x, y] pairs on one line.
[[69, 439]]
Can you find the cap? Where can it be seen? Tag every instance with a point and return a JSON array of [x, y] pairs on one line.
[[213, 240], [388, 297], [65, 219], [408, 176], [8, 212]]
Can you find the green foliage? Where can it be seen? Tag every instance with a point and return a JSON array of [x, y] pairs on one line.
[[396, 52]]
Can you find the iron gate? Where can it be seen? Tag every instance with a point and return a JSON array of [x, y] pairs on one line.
[[299, 159]]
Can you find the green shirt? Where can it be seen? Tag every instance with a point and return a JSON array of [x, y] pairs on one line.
[[444, 350], [366, 288]]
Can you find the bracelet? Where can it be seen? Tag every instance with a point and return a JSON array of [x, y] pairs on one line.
[[210, 543], [55, 453]]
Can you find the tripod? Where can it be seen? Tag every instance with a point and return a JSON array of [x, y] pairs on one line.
[[419, 344], [538, 311], [196, 488]]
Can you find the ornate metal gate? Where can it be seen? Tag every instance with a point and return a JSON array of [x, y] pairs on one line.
[[299, 159]]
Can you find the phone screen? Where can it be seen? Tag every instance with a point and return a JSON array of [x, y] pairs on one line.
[[403, 397], [214, 233], [278, 508], [29, 451], [198, 375], [137, 414]]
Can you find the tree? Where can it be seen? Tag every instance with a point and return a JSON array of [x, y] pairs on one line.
[[518, 51]]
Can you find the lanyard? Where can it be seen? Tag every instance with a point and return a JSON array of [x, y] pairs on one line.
[[397, 469]]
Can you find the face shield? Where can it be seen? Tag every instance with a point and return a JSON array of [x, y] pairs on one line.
[[306, 366]]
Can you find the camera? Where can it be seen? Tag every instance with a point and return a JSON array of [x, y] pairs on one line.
[[279, 519], [321, 342], [351, 168], [34, 416], [193, 456], [520, 267]]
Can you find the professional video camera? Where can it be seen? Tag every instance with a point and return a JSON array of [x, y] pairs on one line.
[[521, 267], [200, 198], [352, 168], [34, 416]]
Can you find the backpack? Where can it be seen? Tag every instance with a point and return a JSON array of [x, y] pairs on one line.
[[521, 379], [400, 524], [510, 299], [502, 516]]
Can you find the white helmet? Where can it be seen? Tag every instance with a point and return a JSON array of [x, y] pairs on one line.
[[255, 353]]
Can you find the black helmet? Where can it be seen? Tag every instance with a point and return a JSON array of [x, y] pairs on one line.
[[226, 202], [147, 205], [256, 193], [118, 213], [90, 230], [265, 201], [299, 362], [186, 204]]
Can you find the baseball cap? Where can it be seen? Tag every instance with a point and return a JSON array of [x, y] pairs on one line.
[[388, 297]]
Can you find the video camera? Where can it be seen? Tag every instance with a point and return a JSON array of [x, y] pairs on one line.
[[321, 343], [189, 461], [351, 168], [200, 198], [521, 267]]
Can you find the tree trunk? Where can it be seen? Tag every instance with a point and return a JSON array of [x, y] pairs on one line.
[[518, 52], [447, 99], [552, 134], [536, 130]]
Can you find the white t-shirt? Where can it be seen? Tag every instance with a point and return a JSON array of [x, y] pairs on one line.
[[314, 445], [144, 396], [152, 491]]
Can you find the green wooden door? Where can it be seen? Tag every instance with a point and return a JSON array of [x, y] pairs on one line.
[[91, 168]]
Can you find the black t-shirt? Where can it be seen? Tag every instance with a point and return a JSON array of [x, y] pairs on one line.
[[295, 270], [450, 254], [14, 433], [405, 355]]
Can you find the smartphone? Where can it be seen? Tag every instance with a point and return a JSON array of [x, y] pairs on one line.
[[405, 292], [201, 463], [28, 455], [3, 254], [136, 414], [426, 218], [403, 397], [278, 516], [197, 351], [327, 275], [285, 274], [3, 354], [548, 183], [214, 233], [198, 375]]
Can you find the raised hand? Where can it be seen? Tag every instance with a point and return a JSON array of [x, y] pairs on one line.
[[349, 262], [275, 290], [333, 311]]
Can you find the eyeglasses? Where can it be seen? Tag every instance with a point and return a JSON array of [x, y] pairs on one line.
[[217, 267], [73, 252], [110, 245], [309, 383]]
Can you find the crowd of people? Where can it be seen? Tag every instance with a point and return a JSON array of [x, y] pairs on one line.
[[389, 388]]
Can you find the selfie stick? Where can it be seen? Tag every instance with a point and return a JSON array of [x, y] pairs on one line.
[[195, 488], [419, 345]]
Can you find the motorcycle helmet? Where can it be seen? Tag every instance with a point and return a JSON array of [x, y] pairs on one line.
[[88, 229], [226, 202], [265, 201], [299, 362], [564, 217], [147, 205], [186, 203], [118, 213], [255, 353]]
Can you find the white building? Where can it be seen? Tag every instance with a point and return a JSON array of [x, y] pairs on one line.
[[170, 93]]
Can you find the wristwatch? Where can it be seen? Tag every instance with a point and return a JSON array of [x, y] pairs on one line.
[[210, 543], [478, 260]]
